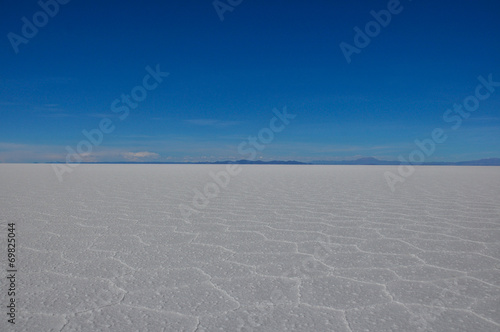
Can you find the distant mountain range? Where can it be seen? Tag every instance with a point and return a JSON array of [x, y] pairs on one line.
[[375, 161], [260, 162], [360, 161]]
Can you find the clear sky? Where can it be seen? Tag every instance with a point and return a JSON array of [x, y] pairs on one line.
[[226, 77]]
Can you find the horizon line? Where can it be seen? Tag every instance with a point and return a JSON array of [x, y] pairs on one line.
[[368, 161]]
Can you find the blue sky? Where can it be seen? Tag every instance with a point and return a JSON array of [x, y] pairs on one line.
[[226, 77]]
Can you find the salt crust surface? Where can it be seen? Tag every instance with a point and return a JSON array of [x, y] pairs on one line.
[[281, 248]]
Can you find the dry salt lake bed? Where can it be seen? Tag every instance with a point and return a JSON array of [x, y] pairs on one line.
[[279, 248]]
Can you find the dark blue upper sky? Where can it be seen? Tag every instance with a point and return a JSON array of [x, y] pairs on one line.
[[226, 77]]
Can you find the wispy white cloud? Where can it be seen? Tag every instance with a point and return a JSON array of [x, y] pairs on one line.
[[12, 146], [213, 122], [11, 103], [135, 156], [101, 115], [36, 82], [486, 119], [20, 152], [57, 115], [137, 136], [51, 111]]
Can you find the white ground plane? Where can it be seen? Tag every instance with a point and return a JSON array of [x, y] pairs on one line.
[[281, 248]]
